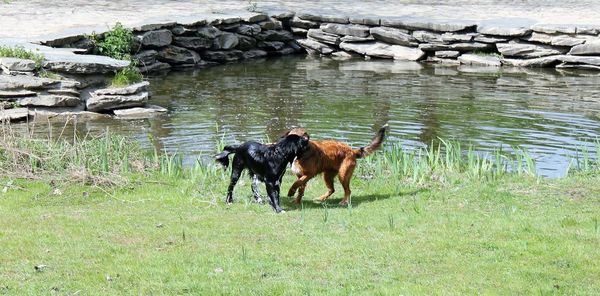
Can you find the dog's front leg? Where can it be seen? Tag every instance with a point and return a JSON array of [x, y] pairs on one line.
[[273, 191]]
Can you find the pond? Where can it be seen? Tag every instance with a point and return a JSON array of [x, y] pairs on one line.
[[552, 114]]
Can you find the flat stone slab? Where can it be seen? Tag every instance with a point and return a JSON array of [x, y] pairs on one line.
[[420, 23], [524, 50], [60, 113], [508, 27], [324, 37], [127, 90], [157, 38], [556, 40], [111, 102], [20, 82], [316, 46], [580, 59], [14, 64], [139, 112], [455, 46], [16, 114], [589, 48], [383, 50], [447, 54], [7, 94], [346, 30], [49, 101], [473, 59], [393, 36]]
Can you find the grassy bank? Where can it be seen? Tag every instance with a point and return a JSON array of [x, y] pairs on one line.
[[418, 224]]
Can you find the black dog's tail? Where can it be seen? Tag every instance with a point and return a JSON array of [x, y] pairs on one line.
[[223, 157], [375, 143]]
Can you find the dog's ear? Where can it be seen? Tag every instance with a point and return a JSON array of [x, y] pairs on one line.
[[285, 134]]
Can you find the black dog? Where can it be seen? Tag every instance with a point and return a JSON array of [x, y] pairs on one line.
[[266, 163]]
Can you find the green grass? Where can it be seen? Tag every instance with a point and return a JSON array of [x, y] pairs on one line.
[[458, 227], [22, 53], [126, 76]]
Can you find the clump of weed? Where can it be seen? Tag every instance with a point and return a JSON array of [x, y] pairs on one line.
[[126, 76], [116, 43], [21, 53], [486, 54]]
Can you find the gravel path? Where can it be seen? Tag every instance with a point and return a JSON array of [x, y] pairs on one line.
[[37, 19]]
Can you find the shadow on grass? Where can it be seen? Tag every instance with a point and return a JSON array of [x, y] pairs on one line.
[[334, 202]]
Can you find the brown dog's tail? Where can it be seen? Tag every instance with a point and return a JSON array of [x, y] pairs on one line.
[[375, 143]]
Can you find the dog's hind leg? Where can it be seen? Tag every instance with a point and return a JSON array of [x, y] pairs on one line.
[[273, 191], [255, 190], [346, 171], [328, 178], [236, 171]]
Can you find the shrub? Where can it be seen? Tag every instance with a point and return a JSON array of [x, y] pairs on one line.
[[116, 43]]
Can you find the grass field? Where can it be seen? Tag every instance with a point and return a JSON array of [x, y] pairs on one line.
[[164, 233]]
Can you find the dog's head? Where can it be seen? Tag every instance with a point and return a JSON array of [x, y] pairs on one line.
[[293, 145], [298, 131]]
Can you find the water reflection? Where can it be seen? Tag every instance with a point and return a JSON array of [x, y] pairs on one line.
[[551, 113]]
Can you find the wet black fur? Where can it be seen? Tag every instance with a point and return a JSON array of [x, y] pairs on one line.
[[265, 162]]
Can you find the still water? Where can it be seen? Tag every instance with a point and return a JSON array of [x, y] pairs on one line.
[[550, 113]]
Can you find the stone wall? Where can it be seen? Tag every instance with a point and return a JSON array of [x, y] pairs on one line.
[[450, 42], [79, 81]]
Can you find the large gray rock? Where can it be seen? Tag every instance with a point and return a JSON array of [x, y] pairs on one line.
[[524, 50], [139, 112], [547, 61], [588, 29], [318, 17], [275, 35], [193, 42], [271, 25], [589, 48], [474, 59], [365, 20], [427, 37], [209, 32], [16, 114], [156, 67], [178, 55], [319, 35], [223, 56], [393, 36], [26, 82], [416, 23], [383, 50], [249, 30], [556, 40], [578, 66], [49, 101], [14, 64], [145, 57], [580, 60], [254, 17], [226, 41], [156, 38], [456, 46], [126, 90], [180, 30], [111, 102], [245, 42], [316, 46], [304, 24], [346, 30], [82, 64]]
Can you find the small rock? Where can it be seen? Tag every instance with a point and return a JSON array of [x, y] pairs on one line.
[[193, 42], [383, 50], [303, 24], [447, 54], [524, 50], [178, 55], [589, 48], [254, 53], [111, 102], [56, 192], [454, 37], [271, 25], [245, 42], [49, 101], [218, 270], [427, 37], [16, 114], [226, 41], [356, 39], [209, 32], [249, 30], [275, 35], [223, 55], [159, 225], [271, 45], [146, 57], [182, 30], [140, 112]]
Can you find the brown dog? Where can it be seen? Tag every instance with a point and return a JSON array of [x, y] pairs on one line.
[[330, 158]]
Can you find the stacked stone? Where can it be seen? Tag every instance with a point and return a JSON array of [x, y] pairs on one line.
[[203, 43], [453, 42]]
